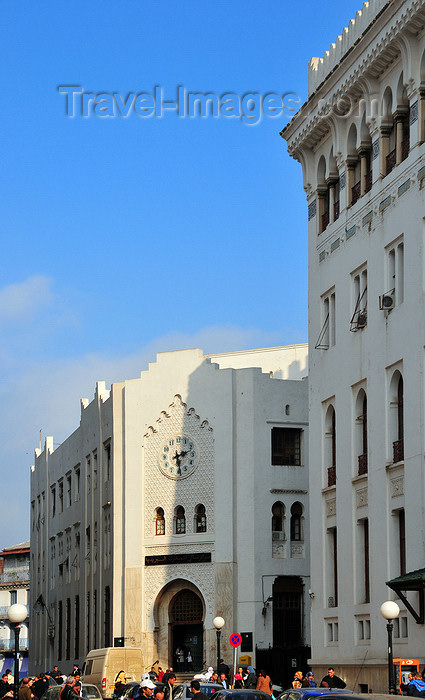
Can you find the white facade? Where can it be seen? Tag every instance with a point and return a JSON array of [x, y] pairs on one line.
[[360, 140], [14, 588], [114, 551]]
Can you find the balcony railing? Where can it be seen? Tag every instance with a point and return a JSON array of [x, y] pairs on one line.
[[355, 192], [331, 476], [362, 464], [325, 220], [405, 147], [5, 608], [390, 162], [9, 644], [368, 181], [398, 451], [336, 210]]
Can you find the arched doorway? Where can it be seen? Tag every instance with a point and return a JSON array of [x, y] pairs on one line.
[[186, 615]]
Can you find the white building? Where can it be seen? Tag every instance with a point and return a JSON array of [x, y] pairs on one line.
[[182, 495], [14, 588], [360, 140]]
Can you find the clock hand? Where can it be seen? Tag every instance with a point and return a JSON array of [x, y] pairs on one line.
[[177, 458]]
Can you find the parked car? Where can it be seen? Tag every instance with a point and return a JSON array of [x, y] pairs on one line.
[[182, 691], [315, 693], [88, 692], [131, 690], [241, 694]]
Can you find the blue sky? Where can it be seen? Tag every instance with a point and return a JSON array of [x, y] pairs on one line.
[[125, 237]]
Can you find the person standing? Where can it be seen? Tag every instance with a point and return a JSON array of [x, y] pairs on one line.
[[264, 683], [168, 687], [146, 690], [331, 680], [24, 692], [195, 687], [250, 679], [68, 692], [310, 677]]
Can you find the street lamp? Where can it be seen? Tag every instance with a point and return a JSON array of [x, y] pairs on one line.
[[218, 623], [17, 613], [390, 611]]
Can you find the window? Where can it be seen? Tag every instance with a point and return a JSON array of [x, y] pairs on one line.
[[61, 496], [363, 629], [88, 474], [286, 446], [13, 597], [331, 632], [395, 270], [60, 629], [76, 627], [402, 540], [180, 521], [359, 317], [77, 484], [397, 417], [107, 459], [400, 627], [107, 617], [330, 445], [159, 522], [95, 470], [332, 570], [68, 490], [364, 526], [200, 518], [278, 521], [327, 335], [53, 497], [361, 432], [296, 522]]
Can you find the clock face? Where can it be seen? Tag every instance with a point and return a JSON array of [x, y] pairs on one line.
[[178, 457]]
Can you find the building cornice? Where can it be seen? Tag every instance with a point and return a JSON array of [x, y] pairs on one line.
[[354, 76]]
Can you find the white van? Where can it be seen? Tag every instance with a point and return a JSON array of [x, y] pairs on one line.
[[102, 666]]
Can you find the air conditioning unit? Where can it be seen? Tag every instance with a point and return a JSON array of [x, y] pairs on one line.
[[387, 301], [362, 319]]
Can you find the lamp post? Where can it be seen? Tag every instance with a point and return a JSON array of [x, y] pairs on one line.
[[17, 613], [390, 611], [218, 623]]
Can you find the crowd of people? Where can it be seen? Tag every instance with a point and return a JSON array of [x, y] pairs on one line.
[[34, 688]]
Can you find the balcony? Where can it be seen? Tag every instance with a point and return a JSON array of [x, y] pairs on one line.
[[336, 210], [9, 644], [368, 181], [362, 464], [332, 476], [22, 576], [5, 608], [355, 192], [325, 220], [390, 162], [398, 451]]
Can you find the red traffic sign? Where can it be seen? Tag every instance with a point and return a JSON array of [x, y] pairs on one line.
[[235, 639]]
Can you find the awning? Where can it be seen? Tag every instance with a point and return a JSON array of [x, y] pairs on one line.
[[413, 581]]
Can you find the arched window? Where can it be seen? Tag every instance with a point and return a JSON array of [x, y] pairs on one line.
[[278, 521], [398, 445], [180, 521], [159, 522], [330, 445], [296, 522], [361, 409], [200, 518]]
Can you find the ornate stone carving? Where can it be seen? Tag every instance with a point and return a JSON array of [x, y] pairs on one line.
[[361, 497], [397, 486], [297, 550], [201, 575], [279, 550], [160, 492], [331, 507]]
